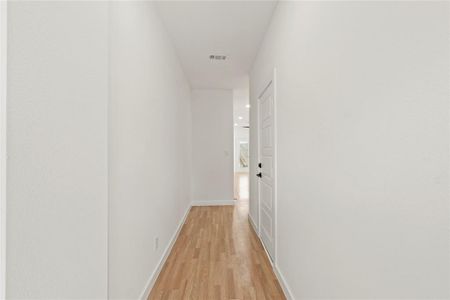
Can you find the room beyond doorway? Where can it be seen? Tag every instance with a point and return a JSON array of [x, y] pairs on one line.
[[241, 186], [241, 108]]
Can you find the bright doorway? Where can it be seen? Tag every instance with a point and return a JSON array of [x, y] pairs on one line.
[[241, 108]]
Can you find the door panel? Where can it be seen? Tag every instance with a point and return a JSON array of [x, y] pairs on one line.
[[266, 140], [267, 169], [266, 222], [266, 196]]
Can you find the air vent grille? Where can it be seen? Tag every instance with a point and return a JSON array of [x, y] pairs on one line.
[[217, 57]]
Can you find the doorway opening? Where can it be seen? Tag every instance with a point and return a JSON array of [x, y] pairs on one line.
[[241, 108]]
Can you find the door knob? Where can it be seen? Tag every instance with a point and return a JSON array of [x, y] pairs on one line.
[[259, 175], [260, 165]]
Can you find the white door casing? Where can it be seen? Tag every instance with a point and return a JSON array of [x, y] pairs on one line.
[[266, 168]]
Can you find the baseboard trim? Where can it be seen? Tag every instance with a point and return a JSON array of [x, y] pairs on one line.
[[252, 222], [151, 281], [286, 289], [213, 202]]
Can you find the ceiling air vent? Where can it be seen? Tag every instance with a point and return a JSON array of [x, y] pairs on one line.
[[217, 57]]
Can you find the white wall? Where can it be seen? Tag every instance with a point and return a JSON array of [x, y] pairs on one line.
[[212, 145], [149, 146], [363, 143], [240, 102], [3, 93], [60, 129], [57, 146]]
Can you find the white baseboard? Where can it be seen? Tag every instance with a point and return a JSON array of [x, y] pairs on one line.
[[151, 281], [213, 202], [287, 291], [252, 222]]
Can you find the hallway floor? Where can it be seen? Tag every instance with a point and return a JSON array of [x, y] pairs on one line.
[[217, 256], [241, 186]]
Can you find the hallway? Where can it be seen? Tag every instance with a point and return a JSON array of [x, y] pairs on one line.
[[171, 149], [217, 256]]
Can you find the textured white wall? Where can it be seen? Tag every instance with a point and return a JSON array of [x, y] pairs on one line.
[[363, 147], [150, 150], [3, 93], [212, 145], [57, 145]]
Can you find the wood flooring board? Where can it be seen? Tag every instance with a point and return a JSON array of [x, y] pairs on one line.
[[217, 256]]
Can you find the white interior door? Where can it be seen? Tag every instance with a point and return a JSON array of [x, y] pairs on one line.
[[266, 169]]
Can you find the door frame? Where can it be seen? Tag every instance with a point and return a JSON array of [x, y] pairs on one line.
[[268, 80]]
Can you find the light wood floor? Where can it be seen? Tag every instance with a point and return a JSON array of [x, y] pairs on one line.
[[217, 256], [241, 186]]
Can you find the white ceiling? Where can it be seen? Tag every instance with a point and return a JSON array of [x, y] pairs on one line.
[[231, 28]]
